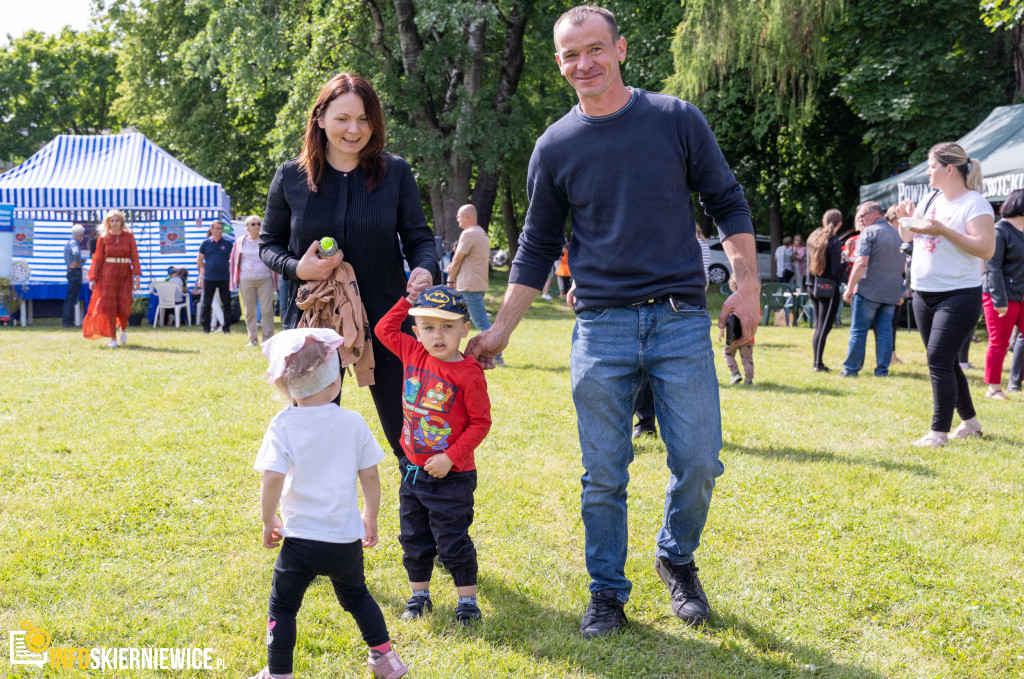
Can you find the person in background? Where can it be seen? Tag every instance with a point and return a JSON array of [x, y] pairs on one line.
[[946, 274], [114, 273], [468, 270], [784, 260], [799, 260], [254, 281], [745, 350], [214, 263], [73, 262], [825, 261], [1003, 290], [563, 273], [874, 288], [1013, 384], [346, 186]]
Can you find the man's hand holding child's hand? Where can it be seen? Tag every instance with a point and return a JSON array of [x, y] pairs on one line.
[[438, 466]]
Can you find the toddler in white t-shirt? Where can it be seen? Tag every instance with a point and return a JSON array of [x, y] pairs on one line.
[[312, 455]]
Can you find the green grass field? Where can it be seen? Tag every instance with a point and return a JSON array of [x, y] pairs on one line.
[[833, 548]]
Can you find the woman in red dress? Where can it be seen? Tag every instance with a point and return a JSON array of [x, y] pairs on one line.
[[113, 274]]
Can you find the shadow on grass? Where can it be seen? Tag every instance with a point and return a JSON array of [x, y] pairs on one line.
[[777, 387], [156, 350], [802, 455], [551, 636], [534, 366]]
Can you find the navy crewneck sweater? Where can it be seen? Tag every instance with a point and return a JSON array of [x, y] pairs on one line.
[[626, 181]]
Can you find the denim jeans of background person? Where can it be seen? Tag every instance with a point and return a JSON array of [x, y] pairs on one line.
[[623, 164], [874, 289]]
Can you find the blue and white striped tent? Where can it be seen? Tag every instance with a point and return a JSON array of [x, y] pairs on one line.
[[77, 178]]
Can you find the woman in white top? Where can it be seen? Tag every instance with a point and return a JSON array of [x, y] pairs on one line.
[[946, 274], [253, 280]]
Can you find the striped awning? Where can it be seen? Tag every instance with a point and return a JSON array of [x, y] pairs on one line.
[[79, 177]]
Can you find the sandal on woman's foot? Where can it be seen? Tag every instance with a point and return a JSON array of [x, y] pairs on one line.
[[965, 432], [930, 440], [996, 394]]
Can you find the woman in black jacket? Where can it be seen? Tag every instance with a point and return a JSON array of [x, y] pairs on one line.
[[345, 186], [1002, 288], [824, 261]]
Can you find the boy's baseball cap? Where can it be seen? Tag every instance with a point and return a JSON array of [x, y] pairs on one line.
[[440, 301]]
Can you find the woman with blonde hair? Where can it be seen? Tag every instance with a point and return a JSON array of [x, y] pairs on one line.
[[254, 280], [113, 275], [955, 234], [825, 262]]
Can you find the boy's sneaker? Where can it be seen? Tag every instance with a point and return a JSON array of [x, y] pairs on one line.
[[416, 606], [604, 615], [467, 614], [736, 378], [689, 602], [386, 665]]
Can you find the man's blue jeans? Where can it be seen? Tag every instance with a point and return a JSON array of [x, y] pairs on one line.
[[864, 312], [611, 349], [477, 311]]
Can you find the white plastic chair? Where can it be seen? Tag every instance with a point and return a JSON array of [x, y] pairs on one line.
[[167, 292]]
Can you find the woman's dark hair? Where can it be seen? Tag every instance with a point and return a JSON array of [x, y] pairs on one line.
[[313, 159], [1014, 205]]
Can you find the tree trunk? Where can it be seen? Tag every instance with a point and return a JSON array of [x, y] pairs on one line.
[[774, 230], [508, 211], [1017, 38], [485, 192]]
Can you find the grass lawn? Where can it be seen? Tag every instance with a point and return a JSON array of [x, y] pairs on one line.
[[833, 548]]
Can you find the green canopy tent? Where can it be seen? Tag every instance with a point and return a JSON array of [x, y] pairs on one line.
[[997, 143]]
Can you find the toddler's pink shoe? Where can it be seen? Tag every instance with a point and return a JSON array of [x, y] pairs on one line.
[[265, 674], [386, 666]]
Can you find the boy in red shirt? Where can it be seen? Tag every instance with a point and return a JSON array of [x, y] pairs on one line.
[[447, 415]]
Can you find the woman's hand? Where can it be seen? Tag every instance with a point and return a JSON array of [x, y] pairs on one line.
[[92, 285], [137, 283], [934, 228], [312, 268], [419, 280], [905, 208]]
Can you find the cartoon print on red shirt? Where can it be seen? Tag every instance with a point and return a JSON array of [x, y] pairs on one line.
[[433, 433], [424, 396]]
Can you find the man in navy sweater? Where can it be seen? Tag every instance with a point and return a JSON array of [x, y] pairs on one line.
[[623, 164]]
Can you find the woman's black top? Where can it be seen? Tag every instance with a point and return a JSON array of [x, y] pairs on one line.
[[1003, 279], [834, 268], [373, 229]]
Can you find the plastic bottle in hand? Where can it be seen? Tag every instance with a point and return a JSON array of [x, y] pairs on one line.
[[327, 248]]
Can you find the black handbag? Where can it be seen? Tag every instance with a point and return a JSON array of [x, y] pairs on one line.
[[824, 287]]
